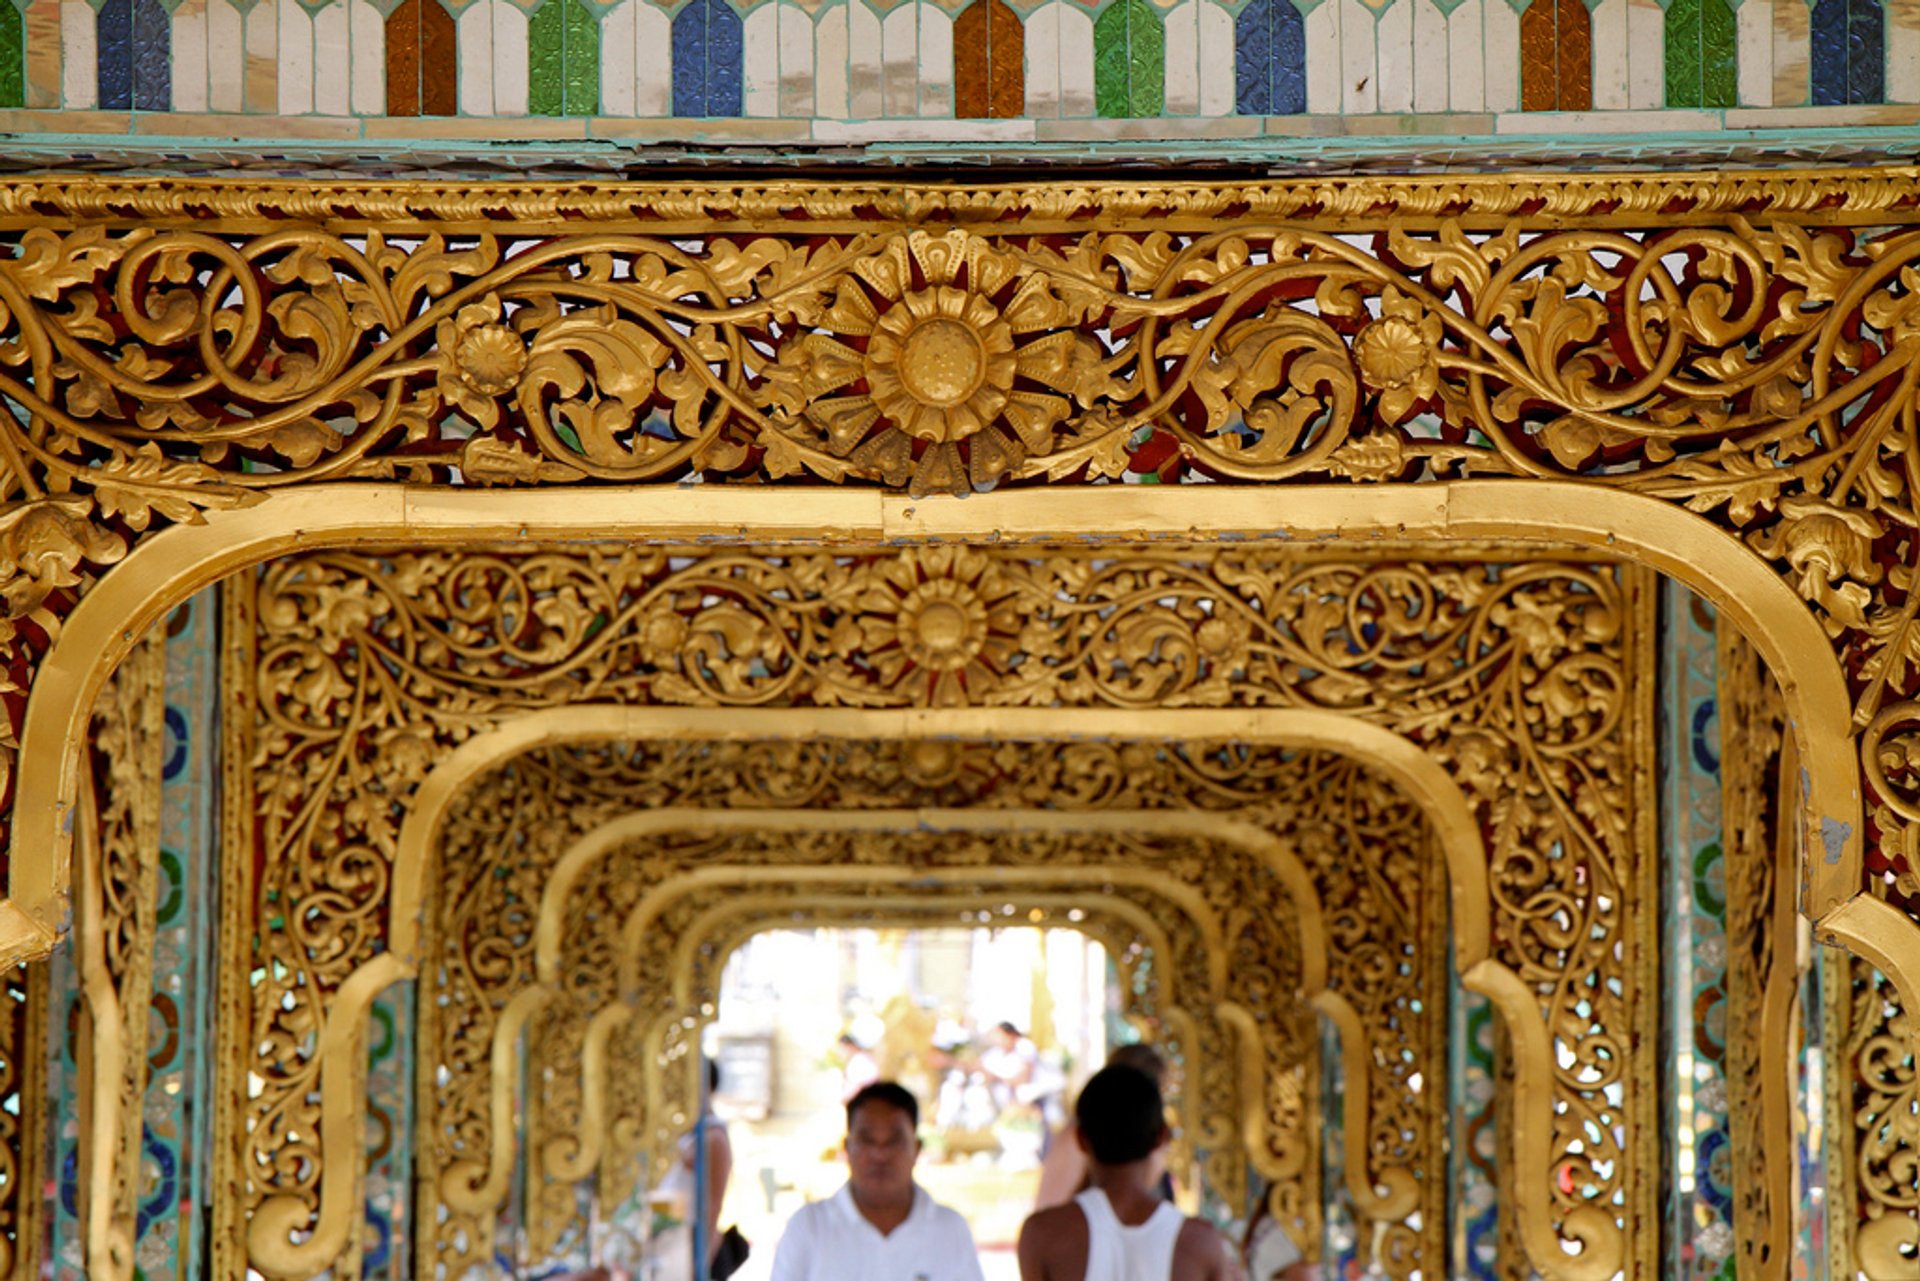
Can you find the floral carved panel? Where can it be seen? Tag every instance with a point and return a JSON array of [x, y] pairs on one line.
[[1743, 348], [1519, 677]]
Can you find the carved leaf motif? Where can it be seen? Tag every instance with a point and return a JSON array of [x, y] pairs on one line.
[[50, 263]]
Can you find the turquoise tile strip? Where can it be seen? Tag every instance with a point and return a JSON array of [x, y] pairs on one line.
[[1699, 1156], [180, 1087], [1473, 1211], [387, 1252]]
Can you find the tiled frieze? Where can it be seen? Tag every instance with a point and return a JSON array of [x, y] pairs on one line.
[[140, 66]]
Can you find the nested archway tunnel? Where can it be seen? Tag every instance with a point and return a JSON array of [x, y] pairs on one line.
[[439, 755]]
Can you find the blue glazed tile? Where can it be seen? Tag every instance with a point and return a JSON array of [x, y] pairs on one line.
[[726, 55], [152, 57], [1289, 59], [707, 55], [1270, 59], [1866, 51], [1253, 59], [115, 36], [1848, 52]]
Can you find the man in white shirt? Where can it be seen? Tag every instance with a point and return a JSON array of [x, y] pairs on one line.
[[881, 1226]]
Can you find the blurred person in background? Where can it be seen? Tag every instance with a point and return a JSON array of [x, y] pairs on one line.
[[880, 1226], [1121, 1228]]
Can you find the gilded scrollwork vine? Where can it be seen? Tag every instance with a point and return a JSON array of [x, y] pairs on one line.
[[1515, 676], [1762, 978], [114, 938], [1740, 345], [1882, 1090]]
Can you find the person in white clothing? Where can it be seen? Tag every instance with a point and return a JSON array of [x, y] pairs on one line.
[[882, 1226], [1119, 1228]]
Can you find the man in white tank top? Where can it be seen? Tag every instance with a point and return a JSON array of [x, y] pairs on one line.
[[1119, 1228]]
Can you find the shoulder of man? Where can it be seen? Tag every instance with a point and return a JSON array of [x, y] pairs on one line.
[[1201, 1251]]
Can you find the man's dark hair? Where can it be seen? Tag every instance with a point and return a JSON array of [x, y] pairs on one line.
[[713, 1076], [891, 1093], [1009, 1028], [1121, 1115]]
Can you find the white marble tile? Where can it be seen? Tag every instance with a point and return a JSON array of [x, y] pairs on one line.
[[41, 31], [1753, 34], [1394, 56], [1646, 55], [294, 59], [332, 60], [1502, 74], [80, 56], [796, 62], [190, 56], [1431, 47], [1903, 50], [1183, 59], [652, 61], [1216, 60], [1792, 29], [1324, 97], [474, 32], [1359, 59], [830, 64], [226, 67], [1043, 60], [1609, 55], [760, 61], [1076, 62], [263, 56], [1466, 58], [510, 86], [935, 99], [864, 100], [618, 77], [900, 61], [367, 34]]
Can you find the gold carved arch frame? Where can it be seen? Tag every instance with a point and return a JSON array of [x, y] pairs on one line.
[[322, 573], [684, 912], [595, 856], [1454, 519], [1744, 393]]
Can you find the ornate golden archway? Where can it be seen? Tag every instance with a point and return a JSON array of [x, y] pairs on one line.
[[1614, 349]]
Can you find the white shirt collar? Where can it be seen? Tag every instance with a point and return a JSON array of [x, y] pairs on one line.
[[848, 1207]]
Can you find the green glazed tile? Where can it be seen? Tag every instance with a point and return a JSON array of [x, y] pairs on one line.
[[1129, 60]]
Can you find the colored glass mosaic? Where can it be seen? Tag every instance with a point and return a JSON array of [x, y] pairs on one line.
[[989, 62], [1472, 1175], [1340, 1239], [135, 43], [180, 1081], [1556, 56], [13, 57], [563, 60], [1848, 52], [1699, 1209], [422, 57], [1269, 59], [385, 1248], [707, 53], [340, 61], [1702, 37], [1129, 60]]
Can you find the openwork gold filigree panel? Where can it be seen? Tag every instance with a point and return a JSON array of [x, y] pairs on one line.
[[113, 940], [1519, 677], [1739, 345], [550, 799], [685, 943], [1879, 1119], [1763, 977], [23, 1032]]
